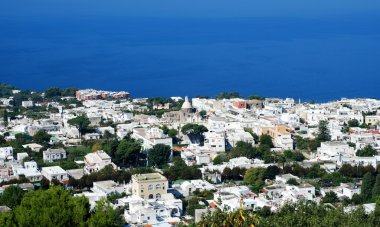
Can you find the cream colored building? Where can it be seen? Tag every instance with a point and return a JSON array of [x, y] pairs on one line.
[[149, 186], [372, 120]]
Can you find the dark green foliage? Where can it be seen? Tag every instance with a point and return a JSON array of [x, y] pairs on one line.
[[81, 122], [108, 173], [244, 149], [228, 95], [179, 170], [52, 92], [356, 171], [376, 187], [41, 137], [159, 155], [311, 214], [266, 140], [54, 206], [237, 218], [22, 139], [171, 132], [77, 153], [128, 152], [194, 132], [236, 174], [333, 180], [220, 158], [367, 151], [192, 205], [57, 207], [6, 90], [307, 144], [271, 172], [105, 216], [255, 178], [203, 113], [293, 156], [5, 117], [256, 97], [11, 197], [330, 197], [292, 181], [367, 186], [313, 172], [353, 123], [323, 131]]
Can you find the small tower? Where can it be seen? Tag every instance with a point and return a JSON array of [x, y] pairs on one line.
[[186, 106]]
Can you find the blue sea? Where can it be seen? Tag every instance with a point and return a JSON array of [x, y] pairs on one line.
[[312, 59]]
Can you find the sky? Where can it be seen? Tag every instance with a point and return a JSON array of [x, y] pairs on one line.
[[188, 8]]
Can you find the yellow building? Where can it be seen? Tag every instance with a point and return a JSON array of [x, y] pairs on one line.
[[276, 131], [149, 186], [372, 119]]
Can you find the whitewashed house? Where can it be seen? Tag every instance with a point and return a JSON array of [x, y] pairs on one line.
[[51, 155]]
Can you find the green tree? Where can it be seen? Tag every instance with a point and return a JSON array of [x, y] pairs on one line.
[[81, 122], [271, 172], [220, 158], [353, 123], [323, 131], [41, 137], [128, 152], [376, 188], [53, 92], [367, 151], [255, 178], [228, 95], [5, 117], [179, 170], [237, 218], [330, 197], [367, 185], [203, 114], [266, 140], [159, 155], [194, 132], [105, 216], [292, 181], [12, 196], [53, 207]]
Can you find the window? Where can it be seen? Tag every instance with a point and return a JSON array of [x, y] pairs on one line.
[[150, 196], [158, 187], [158, 196], [150, 187], [142, 190]]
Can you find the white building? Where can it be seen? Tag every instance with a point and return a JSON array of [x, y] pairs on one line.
[[55, 172], [27, 104], [151, 137], [6, 153], [96, 161], [51, 155]]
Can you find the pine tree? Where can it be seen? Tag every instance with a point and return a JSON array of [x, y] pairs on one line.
[[376, 188]]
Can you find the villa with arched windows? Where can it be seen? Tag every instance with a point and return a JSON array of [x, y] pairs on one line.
[[149, 186]]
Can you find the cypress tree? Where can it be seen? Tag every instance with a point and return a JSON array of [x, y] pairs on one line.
[[323, 131], [367, 185], [5, 117], [376, 188]]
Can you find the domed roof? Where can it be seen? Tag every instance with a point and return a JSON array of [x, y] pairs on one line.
[[187, 104]]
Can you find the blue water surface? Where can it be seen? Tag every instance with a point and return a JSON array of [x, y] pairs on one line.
[[309, 58]]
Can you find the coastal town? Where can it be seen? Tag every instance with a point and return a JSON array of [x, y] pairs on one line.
[[176, 161]]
